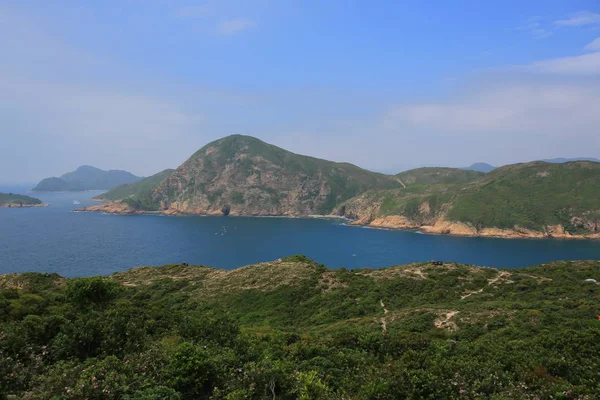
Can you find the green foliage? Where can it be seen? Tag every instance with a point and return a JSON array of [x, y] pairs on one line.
[[532, 196], [86, 291], [296, 330]]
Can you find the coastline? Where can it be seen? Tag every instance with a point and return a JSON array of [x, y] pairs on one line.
[[461, 229], [14, 205], [394, 222]]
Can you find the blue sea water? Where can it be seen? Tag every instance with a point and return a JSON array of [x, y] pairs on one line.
[[56, 239]]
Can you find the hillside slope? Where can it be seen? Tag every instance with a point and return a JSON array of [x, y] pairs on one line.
[[438, 175], [523, 200], [141, 190], [241, 175], [87, 178], [293, 329]]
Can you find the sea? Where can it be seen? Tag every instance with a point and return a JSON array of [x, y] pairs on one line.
[[75, 244]]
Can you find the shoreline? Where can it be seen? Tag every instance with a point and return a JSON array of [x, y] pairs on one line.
[[441, 227], [497, 233], [16, 205]]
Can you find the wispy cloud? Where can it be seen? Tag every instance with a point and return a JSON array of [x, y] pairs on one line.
[[581, 18], [593, 46], [534, 27], [585, 64], [548, 108], [233, 26]]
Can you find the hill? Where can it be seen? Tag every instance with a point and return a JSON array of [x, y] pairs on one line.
[[241, 175], [86, 178], [481, 167], [18, 200], [437, 175], [293, 329], [564, 160], [141, 190], [523, 200]]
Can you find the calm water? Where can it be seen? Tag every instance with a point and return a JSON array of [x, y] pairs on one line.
[[55, 239]]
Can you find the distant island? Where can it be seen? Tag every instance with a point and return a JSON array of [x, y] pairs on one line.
[[480, 167], [294, 329], [241, 175], [86, 178], [9, 200]]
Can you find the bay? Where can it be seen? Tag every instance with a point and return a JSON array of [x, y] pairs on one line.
[[56, 239]]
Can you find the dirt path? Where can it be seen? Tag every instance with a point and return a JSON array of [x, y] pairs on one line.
[[501, 275], [402, 183], [383, 320], [471, 293], [445, 321]]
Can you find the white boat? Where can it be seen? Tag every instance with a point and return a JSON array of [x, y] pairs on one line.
[[76, 202]]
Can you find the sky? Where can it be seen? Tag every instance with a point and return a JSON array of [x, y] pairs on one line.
[[140, 85]]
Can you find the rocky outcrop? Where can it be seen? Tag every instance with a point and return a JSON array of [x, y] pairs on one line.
[[112, 208]]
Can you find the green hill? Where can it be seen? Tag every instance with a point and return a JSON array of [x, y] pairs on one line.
[[534, 195], [243, 175], [528, 199], [438, 175], [141, 190], [86, 178], [10, 199], [293, 329]]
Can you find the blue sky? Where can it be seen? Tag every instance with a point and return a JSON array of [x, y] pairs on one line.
[[387, 85]]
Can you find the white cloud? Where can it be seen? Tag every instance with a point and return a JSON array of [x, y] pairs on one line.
[[586, 64], [580, 19], [593, 46], [517, 107], [234, 26]]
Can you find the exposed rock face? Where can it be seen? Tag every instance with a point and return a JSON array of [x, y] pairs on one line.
[[112, 208], [245, 176]]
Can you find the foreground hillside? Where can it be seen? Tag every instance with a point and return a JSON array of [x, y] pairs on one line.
[[536, 199], [293, 329], [18, 200], [86, 178]]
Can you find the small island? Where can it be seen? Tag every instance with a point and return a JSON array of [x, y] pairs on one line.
[[10, 200]]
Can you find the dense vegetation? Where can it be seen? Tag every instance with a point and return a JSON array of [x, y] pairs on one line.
[[139, 194], [86, 178], [534, 195], [293, 329], [18, 199]]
